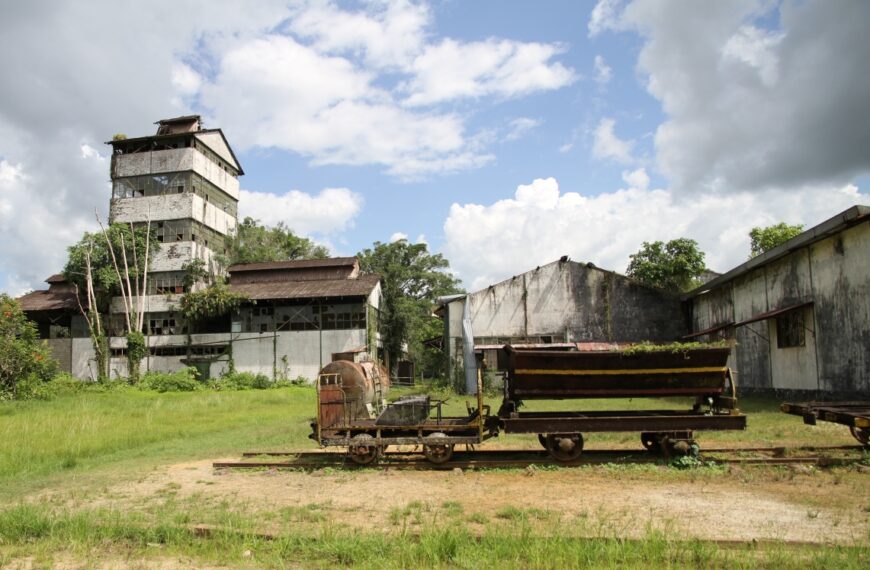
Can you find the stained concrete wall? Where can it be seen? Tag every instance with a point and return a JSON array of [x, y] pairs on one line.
[[834, 275], [175, 160], [306, 352], [173, 256], [568, 302], [173, 207], [216, 142]]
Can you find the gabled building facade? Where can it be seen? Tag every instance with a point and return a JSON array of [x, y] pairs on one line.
[[800, 313], [559, 305]]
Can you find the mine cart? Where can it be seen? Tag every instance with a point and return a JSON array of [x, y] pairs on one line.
[[699, 373], [855, 415], [367, 430]]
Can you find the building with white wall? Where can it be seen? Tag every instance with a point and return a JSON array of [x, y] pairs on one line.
[[800, 312], [561, 303], [183, 183]]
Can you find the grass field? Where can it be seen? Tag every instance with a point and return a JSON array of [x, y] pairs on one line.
[[60, 459]]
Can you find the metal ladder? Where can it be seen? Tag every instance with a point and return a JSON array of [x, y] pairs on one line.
[[379, 394]]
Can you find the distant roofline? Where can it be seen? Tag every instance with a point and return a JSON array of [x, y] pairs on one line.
[[293, 264], [181, 119], [850, 217], [447, 299]]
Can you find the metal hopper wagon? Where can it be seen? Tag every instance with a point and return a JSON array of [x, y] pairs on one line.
[[699, 373], [344, 419]]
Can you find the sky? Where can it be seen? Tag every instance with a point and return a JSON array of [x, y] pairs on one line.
[[504, 134]]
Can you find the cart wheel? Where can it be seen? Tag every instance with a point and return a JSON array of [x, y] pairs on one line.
[[543, 439], [565, 446], [861, 434], [437, 452], [363, 450], [651, 441]]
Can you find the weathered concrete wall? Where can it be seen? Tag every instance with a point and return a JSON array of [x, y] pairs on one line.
[[571, 302], [834, 275], [750, 359], [172, 256], [175, 160], [568, 302], [153, 304], [61, 350], [306, 352], [216, 142], [172, 207], [82, 359], [841, 279]]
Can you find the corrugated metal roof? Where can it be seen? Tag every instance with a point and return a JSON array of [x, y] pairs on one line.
[[294, 264], [359, 287]]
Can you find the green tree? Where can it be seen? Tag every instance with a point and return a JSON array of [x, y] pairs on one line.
[[22, 355], [412, 278], [673, 266], [767, 238], [255, 242], [109, 263]]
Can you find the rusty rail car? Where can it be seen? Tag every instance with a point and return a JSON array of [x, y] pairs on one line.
[[699, 373], [404, 422], [854, 415]]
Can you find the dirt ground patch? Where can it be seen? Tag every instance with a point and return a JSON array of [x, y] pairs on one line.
[[745, 504]]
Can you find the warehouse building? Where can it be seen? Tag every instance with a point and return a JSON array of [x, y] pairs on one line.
[[800, 313], [558, 305]]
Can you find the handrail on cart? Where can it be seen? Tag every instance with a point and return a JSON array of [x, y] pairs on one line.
[[334, 376]]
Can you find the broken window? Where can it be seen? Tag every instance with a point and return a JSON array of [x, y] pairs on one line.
[[166, 283], [790, 329]]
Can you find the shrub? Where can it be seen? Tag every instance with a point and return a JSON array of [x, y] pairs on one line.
[[23, 357], [185, 380], [242, 381], [32, 387]]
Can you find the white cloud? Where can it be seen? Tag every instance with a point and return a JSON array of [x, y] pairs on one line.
[[607, 146], [518, 128], [330, 211], [755, 48], [36, 227], [421, 239], [500, 68], [185, 80], [604, 16], [398, 236], [636, 178], [487, 243], [749, 107], [603, 72], [385, 34]]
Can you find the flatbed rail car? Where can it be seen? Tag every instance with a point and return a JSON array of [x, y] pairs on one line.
[[700, 373], [407, 421], [854, 415]]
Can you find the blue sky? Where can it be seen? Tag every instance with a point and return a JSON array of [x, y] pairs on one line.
[[504, 134]]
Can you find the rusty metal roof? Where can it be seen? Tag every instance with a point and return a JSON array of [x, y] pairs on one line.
[[49, 301], [294, 264], [360, 287]]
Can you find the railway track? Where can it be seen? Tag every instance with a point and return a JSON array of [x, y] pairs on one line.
[[522, 458]]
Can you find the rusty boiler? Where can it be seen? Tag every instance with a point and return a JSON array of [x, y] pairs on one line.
[[351, 390]]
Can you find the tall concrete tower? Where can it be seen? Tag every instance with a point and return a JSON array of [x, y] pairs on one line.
[[184, 180]]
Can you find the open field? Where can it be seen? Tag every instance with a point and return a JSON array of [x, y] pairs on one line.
[[124, 478]]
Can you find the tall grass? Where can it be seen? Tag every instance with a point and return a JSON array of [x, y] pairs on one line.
[[88, 533], [39, 438]]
